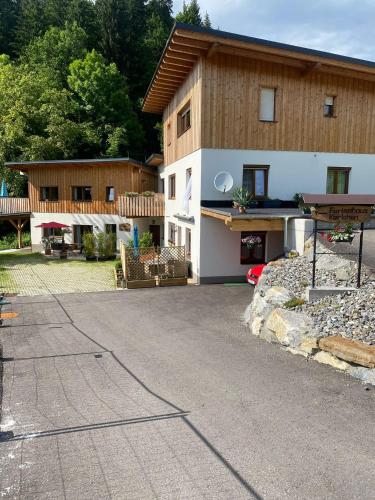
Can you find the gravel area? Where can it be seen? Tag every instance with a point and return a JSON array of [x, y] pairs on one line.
[[351, 314]]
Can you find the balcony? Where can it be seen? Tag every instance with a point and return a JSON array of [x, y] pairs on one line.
[[14, 206], [138, 205]]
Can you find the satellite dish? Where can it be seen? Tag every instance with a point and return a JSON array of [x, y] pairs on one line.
[[223, 182]]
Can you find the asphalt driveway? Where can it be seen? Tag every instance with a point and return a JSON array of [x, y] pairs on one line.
[[164, 394]]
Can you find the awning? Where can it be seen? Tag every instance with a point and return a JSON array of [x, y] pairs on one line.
[[256, 219]]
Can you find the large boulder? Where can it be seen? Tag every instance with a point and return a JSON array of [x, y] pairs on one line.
[[292, 329], [264, 301]]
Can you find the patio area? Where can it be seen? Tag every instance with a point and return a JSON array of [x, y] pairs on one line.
[[27, 273]]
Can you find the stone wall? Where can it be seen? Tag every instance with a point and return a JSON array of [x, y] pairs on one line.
[[268, 319]]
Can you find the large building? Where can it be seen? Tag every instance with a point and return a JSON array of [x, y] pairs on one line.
[[278, 119]]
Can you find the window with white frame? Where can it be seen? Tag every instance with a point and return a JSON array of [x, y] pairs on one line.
[[172, 233], [267, 104], [172, 187]]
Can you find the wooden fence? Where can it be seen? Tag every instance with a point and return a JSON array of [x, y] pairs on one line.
[[14, 206], [148, 267]]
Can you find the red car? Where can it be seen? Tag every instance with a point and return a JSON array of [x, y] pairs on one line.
[[254, 273]]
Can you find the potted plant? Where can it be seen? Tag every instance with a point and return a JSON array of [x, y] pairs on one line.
[[241, 199], [148, 194], [47, 243], [89, 245], [131, 194], [341, 234]]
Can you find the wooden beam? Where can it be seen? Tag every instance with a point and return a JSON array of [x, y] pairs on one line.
[[212, 50], [177, 62], [184, 49], [206, 212], [164, 85], [170, 77], [180, 56], [174, 69], [256, 225], [186, 42], [258, 56]]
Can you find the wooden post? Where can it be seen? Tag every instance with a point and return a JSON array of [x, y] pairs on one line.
[[19, 225]]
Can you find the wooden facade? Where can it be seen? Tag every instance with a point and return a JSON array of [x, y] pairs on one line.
[[176, 146], [122, 175], [230, 108], [222, 75]]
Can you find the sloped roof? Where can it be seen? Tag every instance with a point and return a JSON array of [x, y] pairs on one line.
[[186, 44]]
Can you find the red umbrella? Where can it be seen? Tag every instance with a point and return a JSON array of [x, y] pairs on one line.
[[52, 225]]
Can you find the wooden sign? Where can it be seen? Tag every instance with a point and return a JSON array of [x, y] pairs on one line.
[[342, 214], [125, 227]]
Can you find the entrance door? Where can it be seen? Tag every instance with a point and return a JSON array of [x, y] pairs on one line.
[[79, 231], [155, 231]]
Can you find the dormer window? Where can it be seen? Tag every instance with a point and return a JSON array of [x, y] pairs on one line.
[[184, 119], [329, 106]]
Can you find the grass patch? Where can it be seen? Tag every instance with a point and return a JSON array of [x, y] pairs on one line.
[[294, 302]]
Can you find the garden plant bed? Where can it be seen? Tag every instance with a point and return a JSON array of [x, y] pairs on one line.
[[336, 330]]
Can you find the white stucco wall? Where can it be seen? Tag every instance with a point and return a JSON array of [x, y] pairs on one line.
[[98, 222], [290, 171], [173, 207]]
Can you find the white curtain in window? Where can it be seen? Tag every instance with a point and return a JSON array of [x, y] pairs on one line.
[[187, 196], [267, 105]]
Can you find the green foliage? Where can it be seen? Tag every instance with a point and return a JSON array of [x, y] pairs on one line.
[[56, 49], [146, 241], [102, 96], [191, 14], [98, 113], [10, 241], [89, 244], [118, 265], [241, 197], [110, 244], [101, 244], [294, 302]]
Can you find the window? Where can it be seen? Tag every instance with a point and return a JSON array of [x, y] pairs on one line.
[[79, 231], [51, 232], [49, 193], [162, 186], [267, 105], [255, 252], [255, 180], [329, 106], [337, 180], [172, 233], [109, 193], [81, 193], [188, 242], [172, 187], [184, 119], [188, 183], [110, 228]]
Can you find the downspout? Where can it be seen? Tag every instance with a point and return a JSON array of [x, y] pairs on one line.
[[286, 248]]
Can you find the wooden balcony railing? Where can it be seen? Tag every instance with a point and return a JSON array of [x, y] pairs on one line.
[[141, 206], [14, 206]]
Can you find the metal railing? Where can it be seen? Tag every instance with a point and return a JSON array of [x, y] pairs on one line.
[[141, 206]]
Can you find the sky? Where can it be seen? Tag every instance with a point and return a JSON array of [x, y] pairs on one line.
[[341, 26]]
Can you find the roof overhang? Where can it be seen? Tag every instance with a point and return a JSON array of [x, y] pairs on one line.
[[187, 44], [255, 220], [339, 199]]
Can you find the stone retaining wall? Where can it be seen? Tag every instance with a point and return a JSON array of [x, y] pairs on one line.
[[268, 319]]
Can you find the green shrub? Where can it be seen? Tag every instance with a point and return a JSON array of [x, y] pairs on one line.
[[101, 244], [118, 265], [89, 244], [294, 302], [146, 240], [110, 244]]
